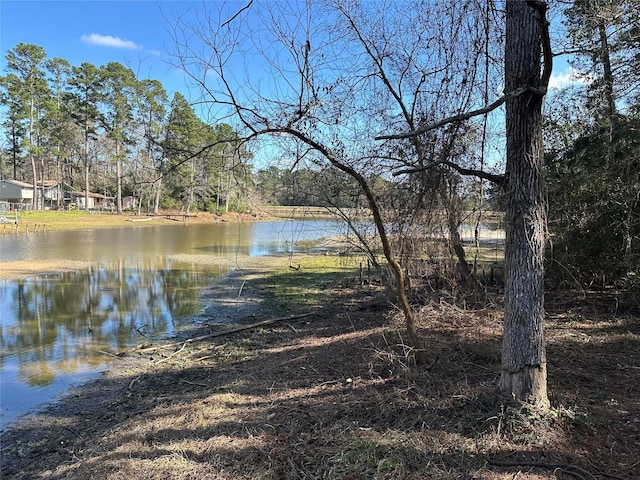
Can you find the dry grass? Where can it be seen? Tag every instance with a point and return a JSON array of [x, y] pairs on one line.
[[46, 220], [335, 396]]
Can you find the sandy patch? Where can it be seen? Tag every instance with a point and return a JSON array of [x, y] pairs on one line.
[[28, 268]]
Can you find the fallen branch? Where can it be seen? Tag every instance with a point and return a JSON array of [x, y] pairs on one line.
[[625, 367], [206, 357], [241, 287], [194, 383], [225, 332], [173, 354]]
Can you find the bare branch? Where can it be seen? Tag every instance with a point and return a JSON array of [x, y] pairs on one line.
[[457, 118], [540, 10], [497, 179], [236, 14]]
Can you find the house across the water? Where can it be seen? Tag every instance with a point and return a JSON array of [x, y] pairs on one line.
[[50, 194]]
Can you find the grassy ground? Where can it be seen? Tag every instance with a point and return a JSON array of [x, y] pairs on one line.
[[38, 221], [331, 393]]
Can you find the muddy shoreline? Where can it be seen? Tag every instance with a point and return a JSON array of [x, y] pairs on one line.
[[18, 269]]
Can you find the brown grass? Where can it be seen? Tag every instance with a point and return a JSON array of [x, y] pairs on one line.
[[47, 220], [336, 396]]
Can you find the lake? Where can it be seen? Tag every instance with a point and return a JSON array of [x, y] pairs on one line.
[[143, 283]]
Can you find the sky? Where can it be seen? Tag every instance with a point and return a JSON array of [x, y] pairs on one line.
[[136, 34]]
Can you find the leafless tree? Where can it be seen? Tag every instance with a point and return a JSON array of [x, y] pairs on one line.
[[340, 78]]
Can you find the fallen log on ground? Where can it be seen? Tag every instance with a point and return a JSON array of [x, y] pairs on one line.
[[229, 331]]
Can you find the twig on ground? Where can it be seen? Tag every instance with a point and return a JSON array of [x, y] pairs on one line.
[[625, 367], [173, 354], [292, 360], [75, 432], [133, 382], [194, 383], [206, 357], [119, 355]]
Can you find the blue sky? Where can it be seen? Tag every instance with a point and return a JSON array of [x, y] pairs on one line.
[[137, 34], [134, 33]]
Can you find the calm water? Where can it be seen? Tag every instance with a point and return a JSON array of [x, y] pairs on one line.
[[144, 282]]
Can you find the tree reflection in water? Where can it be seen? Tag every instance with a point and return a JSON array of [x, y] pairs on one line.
[[143, 283], [54, 326]]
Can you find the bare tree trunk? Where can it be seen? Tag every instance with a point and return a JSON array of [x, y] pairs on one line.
[[156, 198], [41, 206], [34, 171], [118, 179], [463, 271], [524, 365], [419, 352], [605, 57], [86, 172]]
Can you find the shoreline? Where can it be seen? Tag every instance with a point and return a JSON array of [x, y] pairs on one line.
[[330, 393], [22, 269], [230, 301]]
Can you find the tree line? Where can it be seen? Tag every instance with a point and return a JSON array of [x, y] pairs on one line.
[[103, 130]]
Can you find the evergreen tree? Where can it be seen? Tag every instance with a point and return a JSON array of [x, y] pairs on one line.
[[120, 85], [82, 103], [151, 110], [29, 91], [594, 181]]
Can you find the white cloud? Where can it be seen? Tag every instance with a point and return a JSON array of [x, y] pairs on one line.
[[109, 41], [568, 78]]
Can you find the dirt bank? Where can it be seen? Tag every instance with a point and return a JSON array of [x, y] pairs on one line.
[[27, 268]]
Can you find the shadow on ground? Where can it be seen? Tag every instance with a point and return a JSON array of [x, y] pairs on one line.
[[334, 395]]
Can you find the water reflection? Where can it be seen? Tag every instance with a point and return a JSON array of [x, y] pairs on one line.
[[144, 283], [57, 324]]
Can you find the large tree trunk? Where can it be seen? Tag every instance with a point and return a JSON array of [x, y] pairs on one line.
[[524, 366]]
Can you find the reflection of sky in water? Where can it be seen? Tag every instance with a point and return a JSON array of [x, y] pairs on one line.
[[18, 398], [143, 283], [271, 238], [55, 327]]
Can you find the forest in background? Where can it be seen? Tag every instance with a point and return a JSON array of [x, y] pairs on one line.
[[101, 129]]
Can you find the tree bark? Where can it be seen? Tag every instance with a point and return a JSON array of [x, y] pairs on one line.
[[524, 366], [118, 179], [156, 197], [86, 168], [605, 57]]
